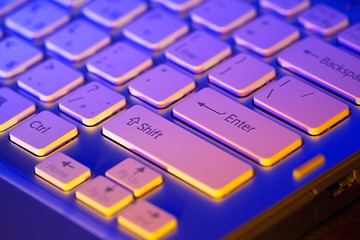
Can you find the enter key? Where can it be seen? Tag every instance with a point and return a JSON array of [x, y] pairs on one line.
[[238, 127]]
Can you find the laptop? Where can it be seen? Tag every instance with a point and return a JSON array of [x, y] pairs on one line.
[[177, 119]]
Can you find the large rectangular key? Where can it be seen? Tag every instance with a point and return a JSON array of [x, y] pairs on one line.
[[181, 153], [325, 65], [237, 126]]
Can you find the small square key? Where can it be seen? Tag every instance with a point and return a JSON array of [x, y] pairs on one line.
[[147, 220], [323, 20], [43, 133], [73, 4], [198, 51], [104, 195], [17, 56], [350, 38], [113, 14], [37, 19], [7, 6], [77, 40], [156, 29], [242, 74], [13, 108], [179, 5], [92, 103], [161, 86], [286, 8], [223, 16], [266, 35], [135, 176], [50, 80], [62, 171], [114, 64]]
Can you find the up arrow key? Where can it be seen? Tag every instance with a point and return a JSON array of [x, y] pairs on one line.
[[133, 121]]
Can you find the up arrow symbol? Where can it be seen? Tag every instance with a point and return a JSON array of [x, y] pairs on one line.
[[132, 121], [67, 164]]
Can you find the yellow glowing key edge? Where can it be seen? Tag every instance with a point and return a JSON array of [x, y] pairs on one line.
[[107, 211], [18, 118], [171, 225], [328, 124], [65, 186], [48, 148], [154, 183], [308, 167]]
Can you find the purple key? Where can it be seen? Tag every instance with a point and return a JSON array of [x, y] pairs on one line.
[[223, 16], [325, 65], [351, 37], [301, 105], [179, 5], [286, 8], [266, 35], [7, 6]]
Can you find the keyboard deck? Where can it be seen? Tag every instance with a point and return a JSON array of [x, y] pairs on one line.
[[185, 119]]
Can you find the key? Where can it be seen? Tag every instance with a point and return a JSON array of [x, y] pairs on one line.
[[286, 8], [50, 80], [92, 103], [17, 56], [37, 19], [156, 30], [237, 127], [77, 40], [350, 38], [62, 171], [147, 220], [181, 153], [13, 108], [301, 105], [7, 6], [161, 86], [74, 4], [223, 16], [325, 65], [113, 14], [104, 195], [198, 51], [135, 176], [323, 20], [266, 35], [179, 5], [43, 133], [242, 74], [114, 64]]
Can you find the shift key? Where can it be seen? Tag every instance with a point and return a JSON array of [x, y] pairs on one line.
[[237, 126], [178, 151], [325, 65]]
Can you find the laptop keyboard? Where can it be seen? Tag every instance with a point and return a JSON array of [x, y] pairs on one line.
[[163, 79]]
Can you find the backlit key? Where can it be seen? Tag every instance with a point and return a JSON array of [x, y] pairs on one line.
[[147, 220], [115, 65], [198, 51], [179, 5], [323, 20], [181, 153], [62, 171], [156, 29], [7, 6], [37, 19], [92, 103], [135, 176], [161, 86], [223, 16], [13, 108], [351, 37], [74, 4], [43, 133], [104, 195], [77, 41], [50, 80], [301, 105], [286, 8], [242, 74], [325, 65], [237, 126], [17, 56], [113, 14], [266, 35]]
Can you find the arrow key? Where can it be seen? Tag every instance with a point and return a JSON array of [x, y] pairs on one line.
[[135, 176], [62, 171]]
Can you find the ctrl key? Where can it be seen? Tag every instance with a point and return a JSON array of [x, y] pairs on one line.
[[43, 133]]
